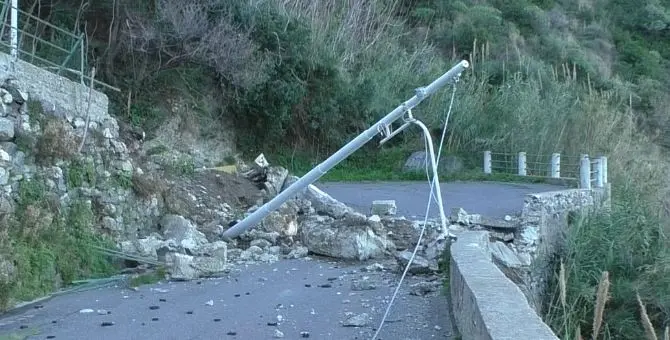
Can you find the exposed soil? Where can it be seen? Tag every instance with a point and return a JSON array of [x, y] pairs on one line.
[[202, 194]]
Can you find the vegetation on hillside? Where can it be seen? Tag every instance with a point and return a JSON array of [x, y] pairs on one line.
[[299, 78], [49, 247]]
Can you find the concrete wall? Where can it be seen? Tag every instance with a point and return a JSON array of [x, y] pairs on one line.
[[544, 225], [487, 303], [59, 95]]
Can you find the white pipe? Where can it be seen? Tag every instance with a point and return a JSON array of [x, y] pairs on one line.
[[435, 183]]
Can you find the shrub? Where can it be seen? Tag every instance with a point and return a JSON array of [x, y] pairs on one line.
[[57, 142], [51, 247]]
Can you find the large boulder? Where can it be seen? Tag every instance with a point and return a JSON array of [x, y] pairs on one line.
[[184, 234], [353, 238], [187, 267], [417, 161], [321, 202]]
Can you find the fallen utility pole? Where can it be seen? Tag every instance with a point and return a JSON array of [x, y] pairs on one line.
[[321, 169]]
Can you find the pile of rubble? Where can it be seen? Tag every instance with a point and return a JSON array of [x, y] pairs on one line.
[[312, 222]]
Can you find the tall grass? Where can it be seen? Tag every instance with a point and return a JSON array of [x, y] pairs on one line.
[[631, 246]]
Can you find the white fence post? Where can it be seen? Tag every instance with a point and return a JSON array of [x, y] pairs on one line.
[[522, 164], [585, 172], [556, 165], [603, 164], [598, 172], [487, 162], [14, 34]]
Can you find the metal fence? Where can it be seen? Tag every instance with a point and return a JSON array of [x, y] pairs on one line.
[[589, 172], [63, 54]]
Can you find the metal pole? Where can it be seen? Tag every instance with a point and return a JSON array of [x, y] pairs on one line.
[[14, 34], [321, 169]]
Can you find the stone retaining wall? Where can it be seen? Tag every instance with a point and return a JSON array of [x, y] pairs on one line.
[[58, 94], [497, 287]]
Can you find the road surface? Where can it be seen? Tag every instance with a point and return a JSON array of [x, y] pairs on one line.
[[491, 199], [297, 299]]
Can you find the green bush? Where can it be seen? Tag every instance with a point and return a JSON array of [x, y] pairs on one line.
[[51, 247]]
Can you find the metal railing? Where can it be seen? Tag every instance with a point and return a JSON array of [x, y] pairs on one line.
[[63, 54], [588, 172]]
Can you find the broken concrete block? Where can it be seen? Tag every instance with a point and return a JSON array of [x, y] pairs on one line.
[[383, 207]]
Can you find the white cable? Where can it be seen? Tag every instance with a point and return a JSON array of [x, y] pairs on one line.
[[425, 221]]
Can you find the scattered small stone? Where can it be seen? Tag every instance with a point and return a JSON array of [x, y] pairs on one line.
[[272, 323], [38, 306], [103, 312], [154, 319], [237, 295], [423, 288], [326, 285], [86, 310], [247, 293], [162, 300], [438, 328], [231, 333], [375, 267], [189, 312], [307, 285], [217, 320], [54, 321], [23, 327], [278, 334], [210, 303], [153, 307], [332, 279], [304, 334], [359, 320], [51, 336], [363, 285], [280, 318], [107, 323]]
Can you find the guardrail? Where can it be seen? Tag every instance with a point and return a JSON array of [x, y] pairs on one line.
[[588, 172], [64, 54]]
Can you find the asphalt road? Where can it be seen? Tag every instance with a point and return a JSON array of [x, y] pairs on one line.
[[256, 301], [491, 199]]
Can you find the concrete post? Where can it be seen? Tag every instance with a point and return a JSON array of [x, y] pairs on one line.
[[603, 164], [598, 172], [522, 164], [585, 172], [487, 162], [556, 165], [14, 33]]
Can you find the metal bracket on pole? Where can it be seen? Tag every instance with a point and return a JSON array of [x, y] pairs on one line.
[[316, 173]]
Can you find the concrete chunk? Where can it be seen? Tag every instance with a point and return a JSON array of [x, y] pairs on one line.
[[383, 207]]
